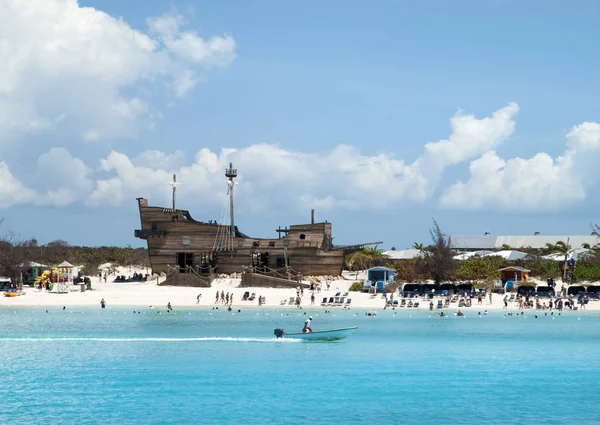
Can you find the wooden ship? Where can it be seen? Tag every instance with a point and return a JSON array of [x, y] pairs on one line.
[[177, 242]]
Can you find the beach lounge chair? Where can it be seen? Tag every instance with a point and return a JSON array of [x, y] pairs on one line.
[[395, 303], [283, 302], [342, 299], [348, 301], [440, 304], [330, 300], [337, 299], [246, 296], [338, 294], [252, 297], [324, 301], [345, 294], [416, 305], [512, 297], [410, 304], [403, 303], [292, 301]]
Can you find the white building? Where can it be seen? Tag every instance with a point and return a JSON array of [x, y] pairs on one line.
[[490, 242]]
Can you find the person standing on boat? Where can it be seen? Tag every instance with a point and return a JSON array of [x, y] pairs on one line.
[[307, 327]]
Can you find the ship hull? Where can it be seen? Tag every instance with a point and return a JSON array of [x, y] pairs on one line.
[[177, 242]]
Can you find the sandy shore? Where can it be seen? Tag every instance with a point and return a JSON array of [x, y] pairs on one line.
[[150, 294]]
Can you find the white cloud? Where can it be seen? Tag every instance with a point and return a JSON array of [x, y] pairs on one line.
[[12, 191], [538, 183], [271, 176], [79, 68], [62, 179]]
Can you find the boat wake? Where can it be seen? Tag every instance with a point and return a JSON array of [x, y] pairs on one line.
[[200, 339]]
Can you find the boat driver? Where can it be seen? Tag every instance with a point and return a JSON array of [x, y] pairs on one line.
[[307, 327]]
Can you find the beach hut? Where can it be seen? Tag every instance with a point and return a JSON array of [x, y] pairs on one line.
[[380, 276], [64, 273], [34, 271], [514, 273], [5, 282]]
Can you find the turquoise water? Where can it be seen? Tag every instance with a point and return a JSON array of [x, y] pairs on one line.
[[213, 367]]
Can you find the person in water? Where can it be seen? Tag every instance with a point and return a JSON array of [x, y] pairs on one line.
[[307, 327]]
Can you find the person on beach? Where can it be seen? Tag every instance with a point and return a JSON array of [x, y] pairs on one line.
[[217, 299], [505, 301], [222, 297], [103, 303], [169, 306], [307, 328], [231, 299], [227, 299], [490, 297], [198, 298], [312, 298]]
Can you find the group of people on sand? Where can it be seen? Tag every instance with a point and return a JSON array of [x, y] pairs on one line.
[[223, 298], [524, 302]]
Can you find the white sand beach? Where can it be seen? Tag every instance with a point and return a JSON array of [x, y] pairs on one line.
[[146, 294]]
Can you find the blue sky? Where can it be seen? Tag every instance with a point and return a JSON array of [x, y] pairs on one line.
[[286, 86]]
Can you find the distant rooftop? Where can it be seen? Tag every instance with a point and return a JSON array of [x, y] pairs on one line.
[[472, 243]]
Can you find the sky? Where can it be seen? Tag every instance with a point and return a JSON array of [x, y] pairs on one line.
[[380, 115]]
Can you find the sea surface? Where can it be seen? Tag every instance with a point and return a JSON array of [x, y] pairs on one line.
[[204, 366]]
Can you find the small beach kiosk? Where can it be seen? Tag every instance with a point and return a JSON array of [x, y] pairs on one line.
[[377, 278], [64, 277], [512, 275]]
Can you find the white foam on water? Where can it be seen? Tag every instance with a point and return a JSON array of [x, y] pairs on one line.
[[209, 338]]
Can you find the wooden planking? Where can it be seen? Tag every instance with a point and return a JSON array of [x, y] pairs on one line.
[[165, 237]]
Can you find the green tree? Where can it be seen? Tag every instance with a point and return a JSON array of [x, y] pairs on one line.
[[418, 246], [437, 260]]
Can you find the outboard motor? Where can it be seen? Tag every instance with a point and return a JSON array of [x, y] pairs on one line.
[[278, 333]]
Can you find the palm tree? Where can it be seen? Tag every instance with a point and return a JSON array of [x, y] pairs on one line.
[[562, 248], [418, 246]]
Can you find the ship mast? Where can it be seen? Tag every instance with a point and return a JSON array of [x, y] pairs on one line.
[[231, 173], [174, 185]]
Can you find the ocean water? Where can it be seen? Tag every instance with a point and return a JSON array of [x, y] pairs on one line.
[[202, 366]]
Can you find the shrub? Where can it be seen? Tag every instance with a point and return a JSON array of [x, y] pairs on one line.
[[356, 287]]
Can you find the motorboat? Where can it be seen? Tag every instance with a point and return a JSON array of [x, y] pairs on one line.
[[330, 335]]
